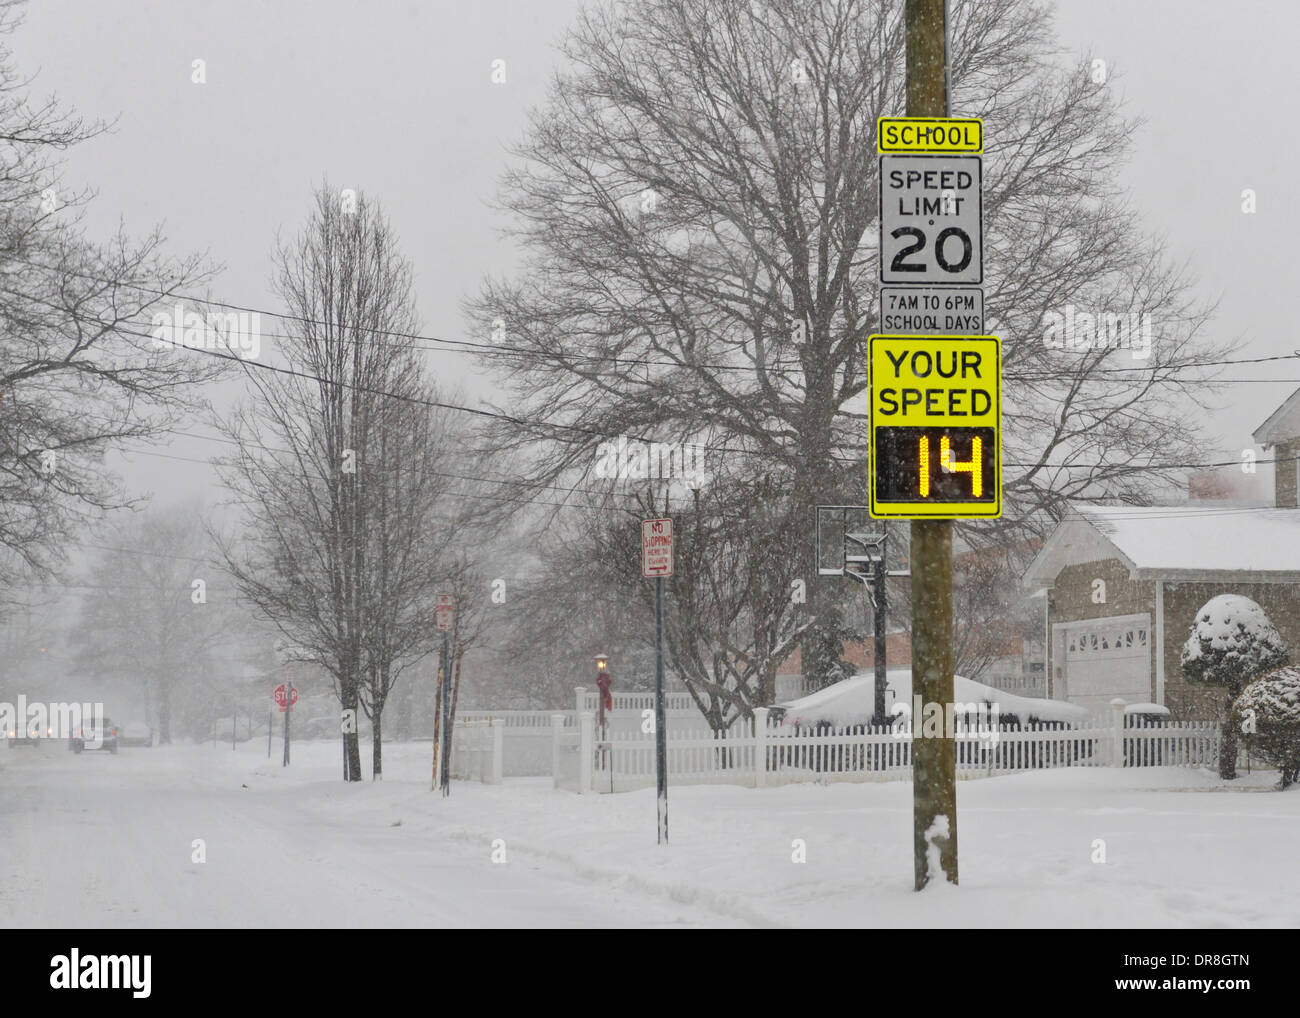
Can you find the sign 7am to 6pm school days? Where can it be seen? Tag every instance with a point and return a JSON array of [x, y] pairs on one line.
[[932, 310], [935, 426]]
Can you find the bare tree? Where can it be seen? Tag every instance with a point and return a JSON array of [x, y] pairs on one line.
[[698, 201], [159, 613], [80, 368], [336, 464], [734, 610], [409, 560], [568, 608]]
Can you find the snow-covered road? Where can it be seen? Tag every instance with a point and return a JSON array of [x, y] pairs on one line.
[[107, 841]]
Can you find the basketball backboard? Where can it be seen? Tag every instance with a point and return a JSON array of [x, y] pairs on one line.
[[849, 542]]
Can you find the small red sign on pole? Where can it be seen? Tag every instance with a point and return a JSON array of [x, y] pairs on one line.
[[444, 612], [280, 695], [656, 548]]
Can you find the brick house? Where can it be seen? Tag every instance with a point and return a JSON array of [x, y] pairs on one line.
[[1122, 584]]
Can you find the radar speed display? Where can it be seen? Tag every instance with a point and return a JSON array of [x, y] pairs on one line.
[[935, 427]]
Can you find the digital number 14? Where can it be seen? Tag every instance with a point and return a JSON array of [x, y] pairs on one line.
[[973, 466]]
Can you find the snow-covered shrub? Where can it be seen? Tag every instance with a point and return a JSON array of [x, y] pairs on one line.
[[1267, 712], [1231, 643]]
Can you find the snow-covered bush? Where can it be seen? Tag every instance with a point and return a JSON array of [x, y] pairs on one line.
[[1267, 712], [1231, 643]]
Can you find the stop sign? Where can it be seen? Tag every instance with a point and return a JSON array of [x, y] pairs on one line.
[[280, 693]]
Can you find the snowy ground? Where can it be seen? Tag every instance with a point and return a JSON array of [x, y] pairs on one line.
[[106, 841]]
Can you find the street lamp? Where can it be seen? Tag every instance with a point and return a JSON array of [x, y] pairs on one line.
[[606, 699]]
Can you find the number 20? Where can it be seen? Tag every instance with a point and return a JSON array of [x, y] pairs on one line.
[[898, 264]]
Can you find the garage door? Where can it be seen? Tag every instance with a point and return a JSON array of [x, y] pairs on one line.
[[1105, 658]]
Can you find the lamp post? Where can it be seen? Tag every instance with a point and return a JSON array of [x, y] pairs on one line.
[[604, 697]]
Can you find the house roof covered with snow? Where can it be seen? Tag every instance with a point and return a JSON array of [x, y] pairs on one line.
[[1175, 543], [1282, 424]]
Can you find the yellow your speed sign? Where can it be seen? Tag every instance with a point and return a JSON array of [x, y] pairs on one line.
[[935, 427]]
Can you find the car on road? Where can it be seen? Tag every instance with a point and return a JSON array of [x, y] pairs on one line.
[[135, 733], [101, 734], [30, 736]]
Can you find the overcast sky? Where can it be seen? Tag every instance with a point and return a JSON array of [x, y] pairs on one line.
[[396, 98]]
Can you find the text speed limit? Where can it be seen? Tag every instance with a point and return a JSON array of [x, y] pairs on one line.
[[931, 219]]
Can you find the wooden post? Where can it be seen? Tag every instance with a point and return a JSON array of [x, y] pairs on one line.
[[934, 760]]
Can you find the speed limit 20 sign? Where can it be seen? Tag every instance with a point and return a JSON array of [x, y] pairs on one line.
[[931, 219]]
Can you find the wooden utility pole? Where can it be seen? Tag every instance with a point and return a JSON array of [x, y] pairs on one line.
[[934, 760]]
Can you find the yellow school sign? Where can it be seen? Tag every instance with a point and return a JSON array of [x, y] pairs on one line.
[[929, 134], [935, 427]]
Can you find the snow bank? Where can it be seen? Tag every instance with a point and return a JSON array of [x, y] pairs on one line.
[[852, 701], [1145, 708]]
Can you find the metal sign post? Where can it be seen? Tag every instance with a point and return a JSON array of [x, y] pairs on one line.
[[445, 620], [289, 697], [656, 563], [446, 714], [661, 736], [438, 733]]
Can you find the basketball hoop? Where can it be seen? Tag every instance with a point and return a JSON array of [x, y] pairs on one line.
[[850, 543]]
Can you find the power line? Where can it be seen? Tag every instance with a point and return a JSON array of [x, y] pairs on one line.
[[492, 348], [589, 431], [1181, 367], [552, 426], [607, 494], [1177, 512]]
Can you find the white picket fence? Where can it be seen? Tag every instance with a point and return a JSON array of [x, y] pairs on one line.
[[525, 738], [567, 745], [759, 753], [1022, 685], [477, 750], [529, 744], [589, 699]]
